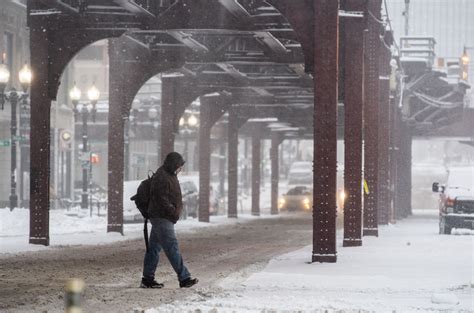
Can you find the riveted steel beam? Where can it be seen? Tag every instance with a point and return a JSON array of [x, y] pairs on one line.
[[353, 31], [116, 140], [235, 123], [371, 118], [326, 39], [277, 138], [384, 131], [40, 137], [212, 108], [256, 163]]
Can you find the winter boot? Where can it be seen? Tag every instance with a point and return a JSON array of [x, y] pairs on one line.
[[188, 282], [146, 283]]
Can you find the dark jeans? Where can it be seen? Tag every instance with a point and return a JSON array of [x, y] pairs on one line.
[[162, 236]]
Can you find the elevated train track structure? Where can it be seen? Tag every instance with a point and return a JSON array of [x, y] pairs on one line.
[[311, 64]]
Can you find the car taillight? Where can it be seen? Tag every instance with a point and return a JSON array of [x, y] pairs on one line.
[[449, 202]]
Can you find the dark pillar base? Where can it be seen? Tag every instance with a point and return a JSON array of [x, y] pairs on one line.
[[324, 258], [255, 214], [115, 228], [231, 216], [352, 243], [39, 241], [370, 232]]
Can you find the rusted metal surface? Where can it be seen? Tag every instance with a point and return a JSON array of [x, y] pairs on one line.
[[40, 137], [236, 120], [394, 157], [256, 159], [116, 141], [371, 119], [277, 138], [204, 159], [233, 149], [353, 107], [326, 34], [384, 133], [168, 96], [211, 109]]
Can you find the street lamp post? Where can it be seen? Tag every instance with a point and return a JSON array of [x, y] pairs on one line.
[[93, 94], [13, 97]]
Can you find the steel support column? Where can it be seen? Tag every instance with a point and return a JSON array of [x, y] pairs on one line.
[[371, 118], [326, 35], [168, 98], [353, 108], [204, 160], [116, 140], [256, 163], [39, 136], [212, 108], [384, 134], [235, 122], [277, 138], [405, 171]]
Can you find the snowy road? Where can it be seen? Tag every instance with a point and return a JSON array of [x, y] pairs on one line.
[[34, 281]]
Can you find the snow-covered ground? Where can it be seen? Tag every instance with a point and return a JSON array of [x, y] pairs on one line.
[[79, 228], [409, 268]]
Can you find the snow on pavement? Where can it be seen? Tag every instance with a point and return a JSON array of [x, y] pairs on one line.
[[408, 268], [66, 230]]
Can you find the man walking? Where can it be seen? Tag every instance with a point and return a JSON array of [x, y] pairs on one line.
[[164, 210]]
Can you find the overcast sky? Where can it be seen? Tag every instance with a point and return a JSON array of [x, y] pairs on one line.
[[451, 22]]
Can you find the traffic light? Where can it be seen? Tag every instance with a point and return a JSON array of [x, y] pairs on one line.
[[95, 159]]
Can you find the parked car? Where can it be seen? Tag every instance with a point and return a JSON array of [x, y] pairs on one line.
[[297, 198], [456, 203]]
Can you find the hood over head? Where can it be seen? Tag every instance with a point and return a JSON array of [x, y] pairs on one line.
[[173, 161]]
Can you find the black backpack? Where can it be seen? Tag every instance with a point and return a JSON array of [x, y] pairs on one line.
[[142, 199]]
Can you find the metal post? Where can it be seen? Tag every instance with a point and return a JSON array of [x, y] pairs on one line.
[[40, 136], [222, 169], [84, 161], [275, 175], [168, 96], [233, 151], [384, 132], [116, 140], [256, 159], [13, 127], [126, 144], [353, 108], [326, 35], [371, 119], [204, 159]]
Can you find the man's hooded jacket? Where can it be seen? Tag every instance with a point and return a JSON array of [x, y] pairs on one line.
[[166, 201]]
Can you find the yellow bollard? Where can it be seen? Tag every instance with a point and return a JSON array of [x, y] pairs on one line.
[[74, 290]]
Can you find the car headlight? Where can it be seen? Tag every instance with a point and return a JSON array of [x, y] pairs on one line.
[[306, 203], [342, 195], [450, 210], [281, 202]]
